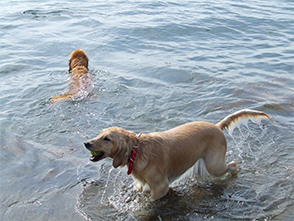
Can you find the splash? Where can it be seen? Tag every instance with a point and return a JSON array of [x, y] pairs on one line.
[[103, 198], [83, 87], [198, 170], [243, 121], [125, 197]]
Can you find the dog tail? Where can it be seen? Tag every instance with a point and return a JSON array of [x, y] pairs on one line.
[[230, 121]]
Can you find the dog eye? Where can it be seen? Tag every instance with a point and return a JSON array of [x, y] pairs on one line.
[[106, 139]]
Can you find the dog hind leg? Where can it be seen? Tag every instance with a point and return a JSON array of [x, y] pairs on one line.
[[215, 162], [233, 169], [218, 169], [58, 98]]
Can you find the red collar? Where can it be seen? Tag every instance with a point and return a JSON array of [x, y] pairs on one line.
[[132, 159]]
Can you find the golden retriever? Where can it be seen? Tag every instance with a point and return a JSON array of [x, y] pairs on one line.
[[79, 79], [159, 158]]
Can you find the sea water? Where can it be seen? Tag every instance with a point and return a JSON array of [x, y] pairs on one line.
[[156, 65]]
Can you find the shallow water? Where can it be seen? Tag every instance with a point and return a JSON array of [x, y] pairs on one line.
[[157, 64]]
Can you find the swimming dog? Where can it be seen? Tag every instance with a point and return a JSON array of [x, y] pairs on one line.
[[79, 78]]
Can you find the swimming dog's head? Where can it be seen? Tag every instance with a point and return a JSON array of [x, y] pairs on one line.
[[78, 58]]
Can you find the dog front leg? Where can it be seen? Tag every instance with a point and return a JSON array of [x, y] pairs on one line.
[[159, 188], [139, 187]]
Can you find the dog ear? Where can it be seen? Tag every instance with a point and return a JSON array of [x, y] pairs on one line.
[[86, 62], [69, 64], [124, 144], [119, 158], [121, 154]]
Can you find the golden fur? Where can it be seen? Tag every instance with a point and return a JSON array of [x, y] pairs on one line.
[[79, 79], [164, 156]]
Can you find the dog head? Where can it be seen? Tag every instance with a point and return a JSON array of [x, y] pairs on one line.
[[78, 58], [113, 142]]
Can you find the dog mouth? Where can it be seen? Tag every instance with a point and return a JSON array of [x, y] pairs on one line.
[[96, 156]]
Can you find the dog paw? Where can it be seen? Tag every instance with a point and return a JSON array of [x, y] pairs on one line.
[[233, 169], [139, 187]]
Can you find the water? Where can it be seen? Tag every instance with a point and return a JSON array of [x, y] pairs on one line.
[[157, 64]]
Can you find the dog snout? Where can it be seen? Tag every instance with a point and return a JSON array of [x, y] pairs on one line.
[[87, 145]]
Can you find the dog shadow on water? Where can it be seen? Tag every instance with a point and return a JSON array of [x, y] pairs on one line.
[[193, 198], [109, 198]]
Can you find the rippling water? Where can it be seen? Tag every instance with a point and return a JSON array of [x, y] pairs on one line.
[[157, 64]]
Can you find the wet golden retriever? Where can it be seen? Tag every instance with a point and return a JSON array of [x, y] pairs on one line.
[[157, 159], [79, 79]]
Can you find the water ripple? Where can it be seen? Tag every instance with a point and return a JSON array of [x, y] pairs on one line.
[[157, 64]]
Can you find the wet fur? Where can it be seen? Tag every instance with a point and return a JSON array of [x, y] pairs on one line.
[[164, 156], [78, 68]]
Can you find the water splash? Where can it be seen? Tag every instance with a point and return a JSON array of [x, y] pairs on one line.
[[250, 142], [103, 199], [198, 170], [243, 121], [83, 87], [125, 197]]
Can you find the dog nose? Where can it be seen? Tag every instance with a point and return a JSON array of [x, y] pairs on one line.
[[87, 144]]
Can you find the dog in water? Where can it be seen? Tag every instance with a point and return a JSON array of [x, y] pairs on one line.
[[79, 78], [159, 158]]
